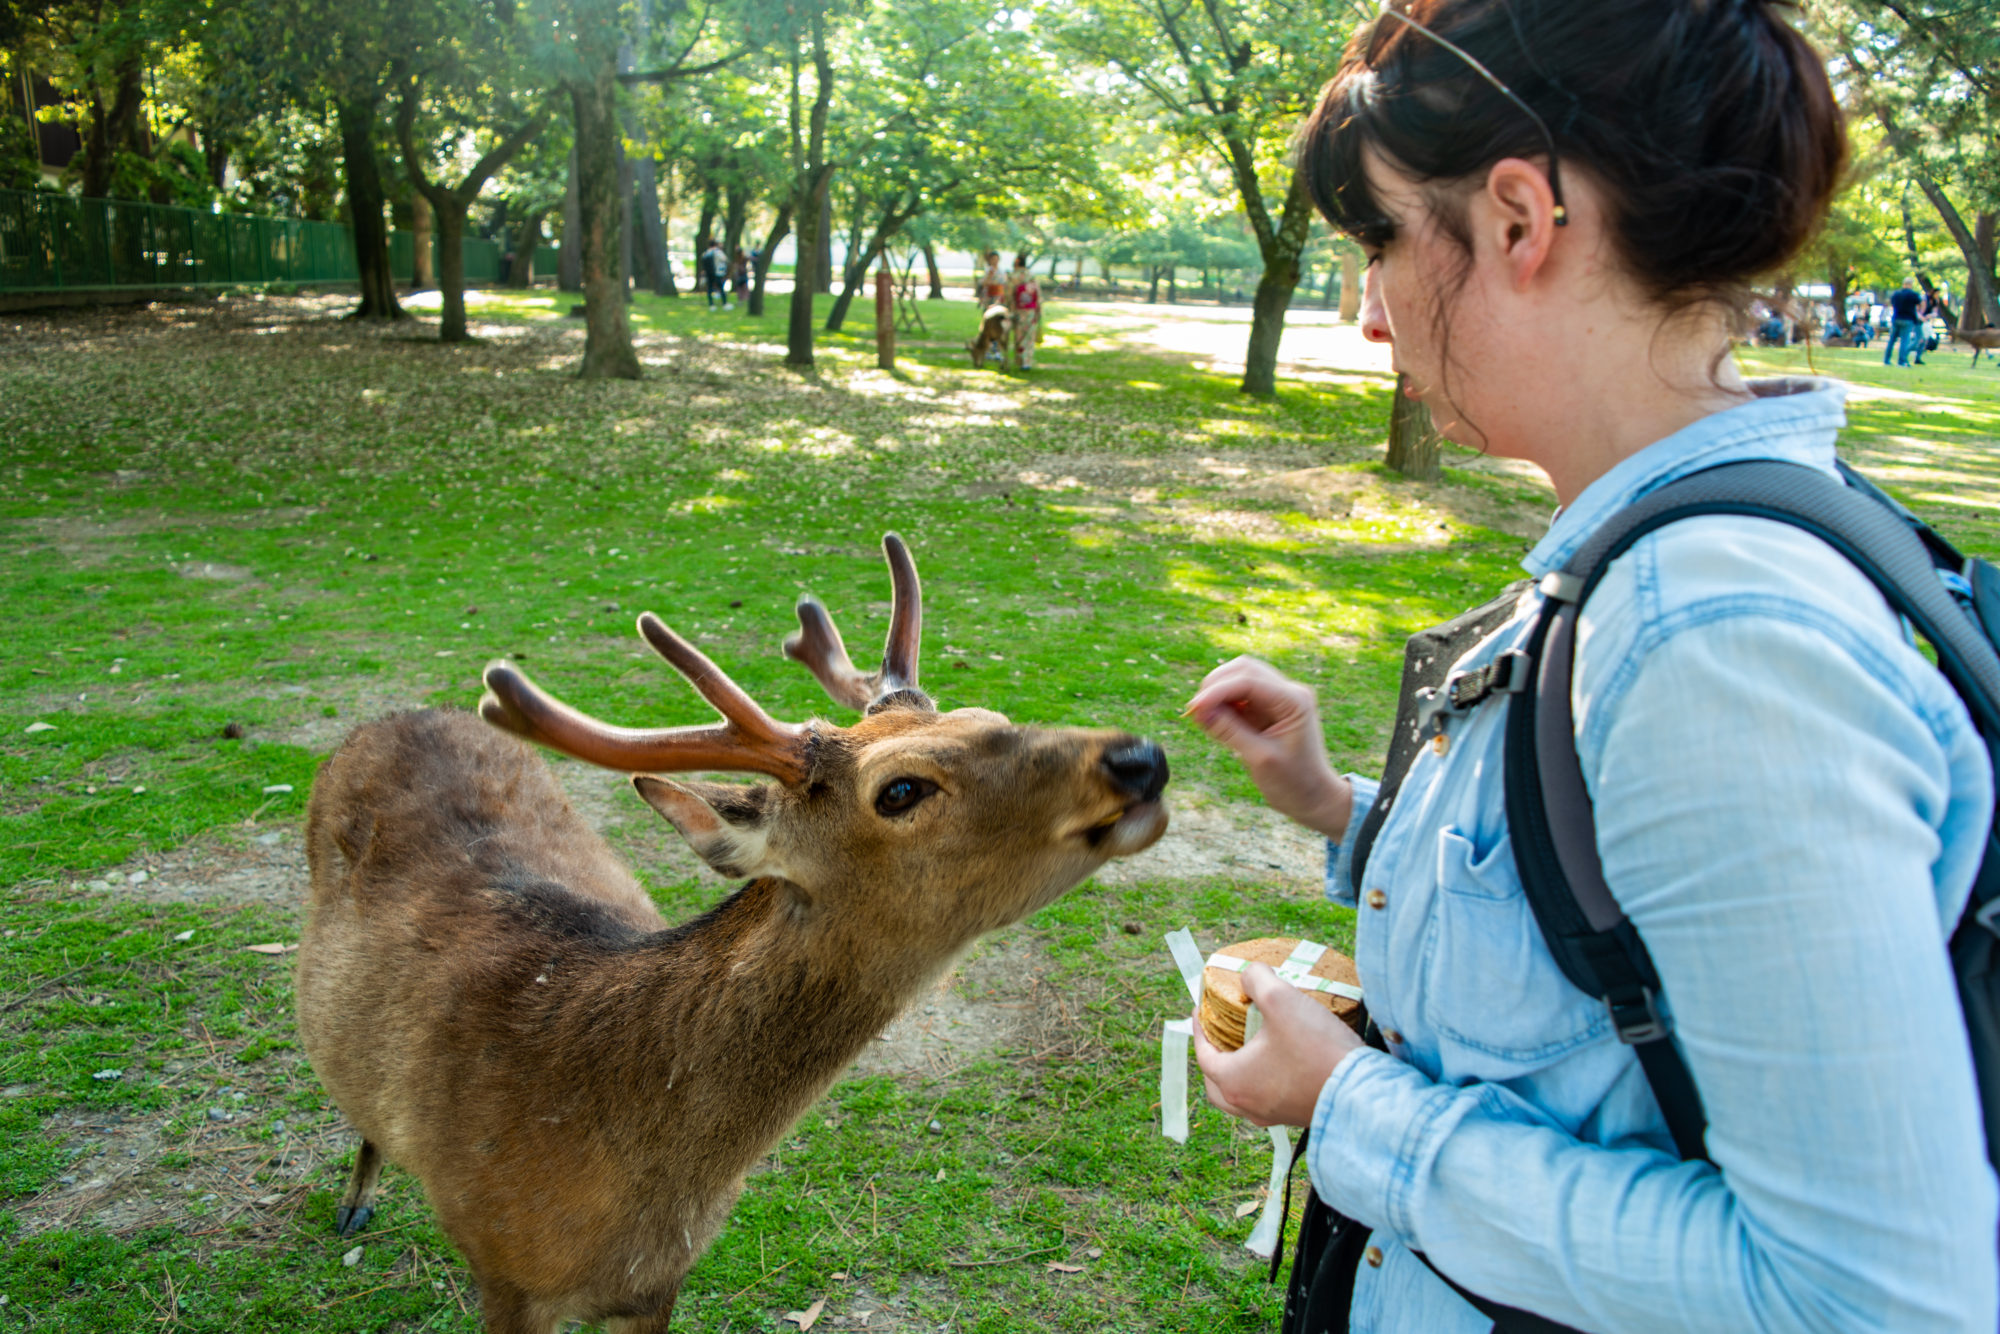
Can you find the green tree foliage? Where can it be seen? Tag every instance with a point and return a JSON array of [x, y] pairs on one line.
[[1928, 76], [1232, 77], [463, 86]]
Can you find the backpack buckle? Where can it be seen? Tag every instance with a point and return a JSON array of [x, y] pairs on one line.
[[1637, 1016], [1988, 915]]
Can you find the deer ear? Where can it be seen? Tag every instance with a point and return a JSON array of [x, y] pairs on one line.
[[727, 824]]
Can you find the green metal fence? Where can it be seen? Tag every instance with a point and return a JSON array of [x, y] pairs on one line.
[[58, 243]]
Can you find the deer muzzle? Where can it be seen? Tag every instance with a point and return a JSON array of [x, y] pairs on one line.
[[1137, 772]]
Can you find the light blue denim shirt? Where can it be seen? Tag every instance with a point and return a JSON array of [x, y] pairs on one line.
[[1791, 804]]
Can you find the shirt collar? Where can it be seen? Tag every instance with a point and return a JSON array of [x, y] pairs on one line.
[[1793, 420]]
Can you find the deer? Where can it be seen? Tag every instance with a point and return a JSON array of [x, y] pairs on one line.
[[496, 1006], [1979, 340], [992, 334]]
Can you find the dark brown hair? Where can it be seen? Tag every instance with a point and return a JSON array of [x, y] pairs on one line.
[[1708, 125]]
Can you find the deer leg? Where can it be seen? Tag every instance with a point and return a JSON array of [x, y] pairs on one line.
[[656, 1323], [359, 1204], [508, 1310]]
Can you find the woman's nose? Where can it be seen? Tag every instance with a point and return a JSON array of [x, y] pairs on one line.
[[1374, 316]]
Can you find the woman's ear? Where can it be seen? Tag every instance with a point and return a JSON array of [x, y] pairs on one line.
[[1521, 219]]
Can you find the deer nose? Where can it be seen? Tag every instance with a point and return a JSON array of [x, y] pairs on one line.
[[1136, 768]]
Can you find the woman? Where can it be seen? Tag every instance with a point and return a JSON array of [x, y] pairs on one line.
[[739, 276], [1790, 801], [1024, 301]]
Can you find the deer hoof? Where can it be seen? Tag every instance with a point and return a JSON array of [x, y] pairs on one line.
[[350, 1219]]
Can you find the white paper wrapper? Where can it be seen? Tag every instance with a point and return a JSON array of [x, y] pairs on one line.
[[1264, 1237], [1174, 1039]]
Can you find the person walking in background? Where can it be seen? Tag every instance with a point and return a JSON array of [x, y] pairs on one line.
[[714, 266], [1024, 302], [990, 287], [1933, 309], [739, 276], [1904, 327]]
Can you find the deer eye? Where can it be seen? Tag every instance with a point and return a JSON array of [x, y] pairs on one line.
[[902, 794]]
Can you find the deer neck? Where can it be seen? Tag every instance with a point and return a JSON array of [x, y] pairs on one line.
[[788, 996]]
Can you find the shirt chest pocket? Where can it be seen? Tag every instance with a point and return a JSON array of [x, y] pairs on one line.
[[1492, 992]]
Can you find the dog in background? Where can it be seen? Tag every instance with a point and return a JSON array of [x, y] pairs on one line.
[[992, 336]]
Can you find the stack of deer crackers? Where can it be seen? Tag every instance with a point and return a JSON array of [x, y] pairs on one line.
[[1323, 974]]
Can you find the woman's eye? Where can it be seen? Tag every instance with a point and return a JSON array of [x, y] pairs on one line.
[[900, 794]]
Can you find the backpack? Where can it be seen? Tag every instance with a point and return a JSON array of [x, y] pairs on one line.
[[1548, 804]]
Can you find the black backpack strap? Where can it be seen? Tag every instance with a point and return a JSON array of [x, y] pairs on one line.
[[1555, 849], [1548, 804]]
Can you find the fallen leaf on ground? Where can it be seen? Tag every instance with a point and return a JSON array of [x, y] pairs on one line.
[[1058, 1267], [1245, 1209], [807, 1318], [273, 948]]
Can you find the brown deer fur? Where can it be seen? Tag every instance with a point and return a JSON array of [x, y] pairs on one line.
[[497, 1007], [1979, 340]]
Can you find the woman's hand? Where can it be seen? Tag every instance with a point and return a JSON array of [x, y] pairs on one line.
[[1272, 723], [1276, 1078]]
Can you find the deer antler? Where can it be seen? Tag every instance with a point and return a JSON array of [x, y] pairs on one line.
[[817, 643], [749, 741]]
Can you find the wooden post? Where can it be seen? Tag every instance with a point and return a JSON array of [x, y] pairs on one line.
[[885, 320]]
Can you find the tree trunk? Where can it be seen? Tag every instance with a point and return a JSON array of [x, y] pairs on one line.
[[856, 279], [1985, 241], [1281, 248], [364, 206], [607, 349], [652, 240], [451, 212], [931, 267], [1153, 287], [860, 256], [779, 230], [120, 129], [1173, 285], [823, 265], [527, 240], [1413, 442], [711, 198], [808, 212], [215, 158], [625, 227], [735, 212], [1350, 282], [569, 259], [1331, 288], [1840, 280], [423, 274], [1981, 282]]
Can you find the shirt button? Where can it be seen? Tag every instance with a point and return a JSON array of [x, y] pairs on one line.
[[1392, 1037], [1440, 744], [1377, 899], [1373, 1255]]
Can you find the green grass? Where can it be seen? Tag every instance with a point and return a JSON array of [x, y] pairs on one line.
[[255, 515]]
